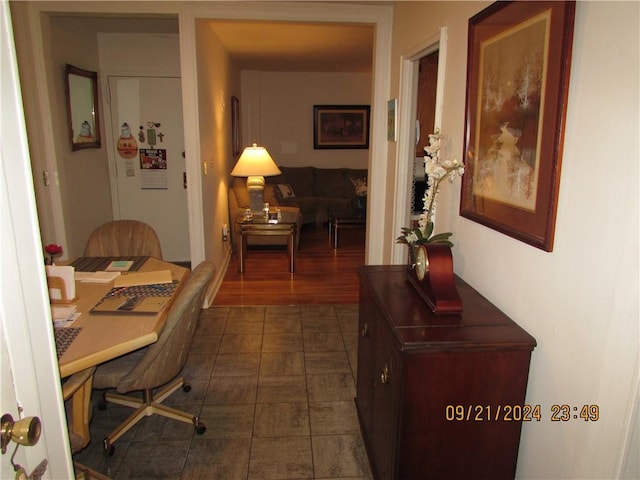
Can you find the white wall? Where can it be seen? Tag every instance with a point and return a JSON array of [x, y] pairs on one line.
[[218, 81], [84, 173], [580, 301], [81, 174], [277, 110]]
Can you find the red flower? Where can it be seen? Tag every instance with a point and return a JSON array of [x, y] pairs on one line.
[[53, 249]]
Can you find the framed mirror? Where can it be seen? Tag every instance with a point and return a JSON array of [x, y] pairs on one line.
[[82, 107]]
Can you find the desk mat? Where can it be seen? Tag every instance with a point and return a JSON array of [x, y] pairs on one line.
[[155, 290], [64, 337], [98, 264], [134, 295]]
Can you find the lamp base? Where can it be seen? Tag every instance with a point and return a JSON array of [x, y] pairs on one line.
[[255, 187]]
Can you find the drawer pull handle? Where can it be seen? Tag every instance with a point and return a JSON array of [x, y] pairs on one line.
[[384, 376], [365, 330]]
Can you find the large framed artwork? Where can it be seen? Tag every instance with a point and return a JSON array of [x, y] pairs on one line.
[[341, 126], [518, 66]]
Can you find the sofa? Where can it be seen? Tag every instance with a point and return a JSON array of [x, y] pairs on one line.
[[313, 194], [319, 192]]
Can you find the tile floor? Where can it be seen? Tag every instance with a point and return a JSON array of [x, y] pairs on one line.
[[275, 387]]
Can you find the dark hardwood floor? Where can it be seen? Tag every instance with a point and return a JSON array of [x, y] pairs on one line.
[[323, 275]]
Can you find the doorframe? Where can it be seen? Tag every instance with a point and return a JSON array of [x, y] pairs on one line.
[[43, 159], [379, 16], [410, 64]]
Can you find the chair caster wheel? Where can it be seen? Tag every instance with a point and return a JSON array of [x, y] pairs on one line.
[[109, 449], [102, 406], [186, 388], [200, 428]]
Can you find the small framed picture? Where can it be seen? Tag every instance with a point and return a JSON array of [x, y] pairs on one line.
[[340, 126]]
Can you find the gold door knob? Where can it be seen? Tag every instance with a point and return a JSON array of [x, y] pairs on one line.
[[25, 431]]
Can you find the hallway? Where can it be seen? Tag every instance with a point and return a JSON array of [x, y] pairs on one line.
[[272, 369], [275, 387]]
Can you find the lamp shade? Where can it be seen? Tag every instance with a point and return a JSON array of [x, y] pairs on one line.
[[255, 161]]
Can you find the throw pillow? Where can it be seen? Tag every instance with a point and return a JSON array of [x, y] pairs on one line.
[[360, 186], [284, 191]]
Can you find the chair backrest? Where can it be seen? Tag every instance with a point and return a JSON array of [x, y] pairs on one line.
[[123, 238], [164, 359]]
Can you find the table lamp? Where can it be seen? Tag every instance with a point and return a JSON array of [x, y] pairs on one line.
[[255, 163]]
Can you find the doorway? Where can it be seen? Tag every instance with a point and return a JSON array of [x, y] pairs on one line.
[[149, 167], [431, 55], [425, 124]]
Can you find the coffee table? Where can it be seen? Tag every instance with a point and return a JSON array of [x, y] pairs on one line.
[[337, 223], [261, 227]]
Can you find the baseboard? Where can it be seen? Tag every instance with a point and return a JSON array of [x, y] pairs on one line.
[[214, 285]]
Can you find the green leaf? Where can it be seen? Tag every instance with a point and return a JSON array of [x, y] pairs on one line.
[[441, 237], [429, 229]]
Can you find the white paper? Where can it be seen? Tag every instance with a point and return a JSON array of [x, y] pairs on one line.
[[62, 312], [154, 179], [67, 275]]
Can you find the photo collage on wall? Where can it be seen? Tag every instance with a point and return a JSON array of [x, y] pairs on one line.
[[153, 161]]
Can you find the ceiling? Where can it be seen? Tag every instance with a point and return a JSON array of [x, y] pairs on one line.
[[264, 45], [296, 47]]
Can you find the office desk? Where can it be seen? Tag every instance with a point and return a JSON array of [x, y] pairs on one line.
[[104, 337]]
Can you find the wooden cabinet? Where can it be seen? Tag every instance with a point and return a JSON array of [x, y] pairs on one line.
[[438, 396]]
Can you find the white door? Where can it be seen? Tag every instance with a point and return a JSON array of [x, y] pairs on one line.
[[29, 380], [146, 121]]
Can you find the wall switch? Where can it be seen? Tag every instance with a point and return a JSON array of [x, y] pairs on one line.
[[45, 178], [225, 232]]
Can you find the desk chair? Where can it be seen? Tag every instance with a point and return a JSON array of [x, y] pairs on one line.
[[159, 364], [123, 238], [76, 392]]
